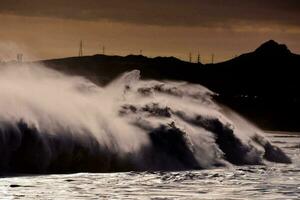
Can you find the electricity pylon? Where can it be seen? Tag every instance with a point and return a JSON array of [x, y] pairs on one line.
[[80, 49]]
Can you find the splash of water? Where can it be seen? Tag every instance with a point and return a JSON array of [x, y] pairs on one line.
[[51, 122]]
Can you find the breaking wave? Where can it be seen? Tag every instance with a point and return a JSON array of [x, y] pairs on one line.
[[54, 123]]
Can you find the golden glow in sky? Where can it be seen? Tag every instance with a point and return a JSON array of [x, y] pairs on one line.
[[51, 31]]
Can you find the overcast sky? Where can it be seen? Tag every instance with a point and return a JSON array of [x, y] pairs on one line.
[[53, 28]]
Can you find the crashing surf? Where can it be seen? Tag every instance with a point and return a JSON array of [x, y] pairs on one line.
[[55, 123]]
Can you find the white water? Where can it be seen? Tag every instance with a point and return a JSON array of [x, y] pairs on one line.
[[52, 122]]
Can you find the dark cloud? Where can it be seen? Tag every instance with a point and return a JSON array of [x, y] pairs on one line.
[[163, 12]]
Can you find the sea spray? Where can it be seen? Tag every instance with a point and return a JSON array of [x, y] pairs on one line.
[[55, 123]]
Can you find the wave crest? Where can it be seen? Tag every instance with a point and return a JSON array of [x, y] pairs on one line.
[[50, 122]]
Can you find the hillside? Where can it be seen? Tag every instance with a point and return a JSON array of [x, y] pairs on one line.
[[263, 85], [102, 68], [268, 71]]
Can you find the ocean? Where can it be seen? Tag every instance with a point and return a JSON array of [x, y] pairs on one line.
[[272, 181], [133, 139]]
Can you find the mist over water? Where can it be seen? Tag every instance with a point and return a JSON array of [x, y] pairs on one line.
[[55, 123]]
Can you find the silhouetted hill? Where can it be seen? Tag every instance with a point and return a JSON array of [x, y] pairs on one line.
[[269, 70], [102, 69], [263, 85], [272, 48]]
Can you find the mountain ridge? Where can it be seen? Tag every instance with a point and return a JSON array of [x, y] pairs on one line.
[[262, 85]]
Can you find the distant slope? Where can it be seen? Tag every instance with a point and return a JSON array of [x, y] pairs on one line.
[[102, 68], [263, 85], [270, 70]]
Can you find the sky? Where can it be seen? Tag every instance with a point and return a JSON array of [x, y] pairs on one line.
[[226, 28]]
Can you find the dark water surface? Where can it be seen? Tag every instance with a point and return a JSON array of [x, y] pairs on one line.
[[273, 181]]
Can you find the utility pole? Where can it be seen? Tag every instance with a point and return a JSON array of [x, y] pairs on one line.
[[19, 58], [103, 50], [190, 57], [212, 58], [198, 58], [80, 49], [141, 52]]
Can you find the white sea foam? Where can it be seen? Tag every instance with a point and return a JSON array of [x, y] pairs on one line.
[[54, 122]]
